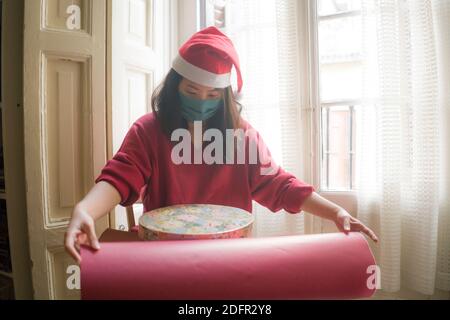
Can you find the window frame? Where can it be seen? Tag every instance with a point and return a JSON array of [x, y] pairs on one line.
[[327, 104], [345, 198], [188, 13]]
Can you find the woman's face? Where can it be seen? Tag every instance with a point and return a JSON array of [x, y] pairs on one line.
[[198, 91]]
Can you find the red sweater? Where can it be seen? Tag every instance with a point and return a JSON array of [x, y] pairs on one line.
[[143, 167]]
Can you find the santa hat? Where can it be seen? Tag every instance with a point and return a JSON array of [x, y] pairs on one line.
[[207, 58]]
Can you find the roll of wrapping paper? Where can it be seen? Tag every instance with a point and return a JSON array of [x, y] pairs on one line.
[[324, 266]]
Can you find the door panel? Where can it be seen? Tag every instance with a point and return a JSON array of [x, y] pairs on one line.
[[65, 127], [65, 105], [55, 14]]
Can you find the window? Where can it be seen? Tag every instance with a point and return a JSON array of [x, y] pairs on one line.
[[339, 58], [337, 53], [339, 28]]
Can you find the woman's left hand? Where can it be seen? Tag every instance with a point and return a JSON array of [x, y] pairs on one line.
[[346, 223]]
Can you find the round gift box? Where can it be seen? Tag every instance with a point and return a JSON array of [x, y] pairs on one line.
[[194, 222]]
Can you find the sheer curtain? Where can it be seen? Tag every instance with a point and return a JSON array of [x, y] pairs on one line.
[[403, 141], [265, 34]]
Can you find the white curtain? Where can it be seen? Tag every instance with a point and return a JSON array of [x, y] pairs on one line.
[[403, 141], [264, 33]]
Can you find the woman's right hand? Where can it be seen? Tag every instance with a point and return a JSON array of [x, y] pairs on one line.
[[81, 230]]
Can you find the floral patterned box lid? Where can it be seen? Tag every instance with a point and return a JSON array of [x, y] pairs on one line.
[[195, 221]]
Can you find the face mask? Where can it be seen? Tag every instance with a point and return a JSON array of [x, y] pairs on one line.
[[196, 109]]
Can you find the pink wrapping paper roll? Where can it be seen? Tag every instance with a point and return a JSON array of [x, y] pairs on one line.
[[325, 266]]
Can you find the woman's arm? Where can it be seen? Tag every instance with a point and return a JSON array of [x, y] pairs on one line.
[[119, 182], [326, 209], [100, 200], [282, 190]]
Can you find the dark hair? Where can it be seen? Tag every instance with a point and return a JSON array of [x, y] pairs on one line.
[[166, 105]]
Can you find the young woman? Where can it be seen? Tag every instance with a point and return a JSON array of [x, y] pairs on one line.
[[196, 98]]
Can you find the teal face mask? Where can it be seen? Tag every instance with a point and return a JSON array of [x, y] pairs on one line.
[[197, 109]]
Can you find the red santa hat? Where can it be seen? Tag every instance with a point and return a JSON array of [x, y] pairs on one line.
[[207, 58]]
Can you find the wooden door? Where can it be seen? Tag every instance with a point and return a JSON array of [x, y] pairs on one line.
[[139, 49], [65, 127]]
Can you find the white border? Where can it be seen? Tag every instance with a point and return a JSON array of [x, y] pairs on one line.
[[199, 75]]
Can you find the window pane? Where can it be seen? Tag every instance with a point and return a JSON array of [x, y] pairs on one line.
[[327, 7], [341, 75], [340, 81], [338, 127], [340, 58], [340, 39]]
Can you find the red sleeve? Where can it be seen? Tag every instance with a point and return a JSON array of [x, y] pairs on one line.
[[130, 168], [273, 187]]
